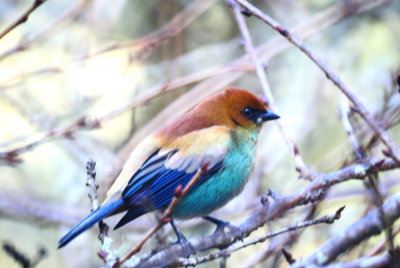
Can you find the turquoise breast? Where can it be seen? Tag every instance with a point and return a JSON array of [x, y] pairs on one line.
[[237, 166]]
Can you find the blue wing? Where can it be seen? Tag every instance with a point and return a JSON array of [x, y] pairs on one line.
[[153, 185]]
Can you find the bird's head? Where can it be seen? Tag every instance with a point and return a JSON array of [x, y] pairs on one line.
[[236, 108]]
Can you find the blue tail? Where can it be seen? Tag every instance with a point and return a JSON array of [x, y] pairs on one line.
[[89, 221]]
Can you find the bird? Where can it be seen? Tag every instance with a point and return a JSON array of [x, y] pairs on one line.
[[221, 132]]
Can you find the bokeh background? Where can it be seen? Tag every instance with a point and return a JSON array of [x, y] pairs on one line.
[[87, 59]]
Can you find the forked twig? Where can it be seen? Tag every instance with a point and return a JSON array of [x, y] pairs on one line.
[[166, 217], [329, 219], [359, 106], [301, 167]]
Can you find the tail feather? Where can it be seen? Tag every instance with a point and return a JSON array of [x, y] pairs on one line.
[[90, 220]]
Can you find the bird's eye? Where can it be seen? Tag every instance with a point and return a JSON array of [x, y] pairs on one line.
[[247, 112]]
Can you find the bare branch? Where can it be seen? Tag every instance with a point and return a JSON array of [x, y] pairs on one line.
[[275, 209], [361, 109], [372, 178], [270, 100], [363, 229], [166, 217], [385, 260], [105, 254], [329, 219], [23, 18], [140, 48]]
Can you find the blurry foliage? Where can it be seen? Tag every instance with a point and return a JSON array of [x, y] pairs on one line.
[[364, 49]]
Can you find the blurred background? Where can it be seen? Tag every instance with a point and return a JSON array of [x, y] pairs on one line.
[[136, 65]]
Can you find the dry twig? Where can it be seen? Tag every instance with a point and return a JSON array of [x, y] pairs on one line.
[[140, 48], [23, 18], [329, 219], [359, 106], [166, 217], [308, 194], [363, 229], [301, 167]]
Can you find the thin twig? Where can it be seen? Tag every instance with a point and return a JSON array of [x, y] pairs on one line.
[[308, 194], [380, 247], [139, 48], [23, 18], [372, 178], [104, 254], [329, 219], [359, 106], [68, 15], [363, 229], [260, 71], [166, 217]]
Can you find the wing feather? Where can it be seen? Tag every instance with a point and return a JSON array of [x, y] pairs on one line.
[[175, 164]]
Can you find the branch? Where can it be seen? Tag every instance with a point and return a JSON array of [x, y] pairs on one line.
[[269, 211], [363, 229], [68, 15], [361, 109], [166, 217], [216, 77], [361, 155], [21, 258], [329, 219], [24, 17], [270, 100], [140, 48], [213, 84], [385, 260], [105, 254]]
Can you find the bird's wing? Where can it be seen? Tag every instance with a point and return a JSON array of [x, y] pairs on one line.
[[174, 164]]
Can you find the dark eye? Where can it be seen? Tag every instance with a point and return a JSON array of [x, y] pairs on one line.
[[248, 113]]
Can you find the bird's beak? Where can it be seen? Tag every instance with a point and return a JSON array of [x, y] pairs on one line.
[[268, 116]]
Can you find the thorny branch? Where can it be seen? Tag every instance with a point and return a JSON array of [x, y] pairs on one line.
[[23, 18]]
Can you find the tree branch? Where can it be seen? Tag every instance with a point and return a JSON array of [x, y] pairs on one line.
[[23, 18], [269, 211], [363, 229], [270, 100], [329, 219], [361, 109]]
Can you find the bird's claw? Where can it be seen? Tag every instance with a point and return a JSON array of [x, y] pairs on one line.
[[187, 247], [221, 225]]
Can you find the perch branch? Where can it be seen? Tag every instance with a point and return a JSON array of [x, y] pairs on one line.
[[269, 211], [166, 217], [329, 219]]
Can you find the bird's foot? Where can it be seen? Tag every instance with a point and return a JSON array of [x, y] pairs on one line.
[[187, 247], [221, 225]]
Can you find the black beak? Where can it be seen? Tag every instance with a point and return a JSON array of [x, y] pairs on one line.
[[268, 116]]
